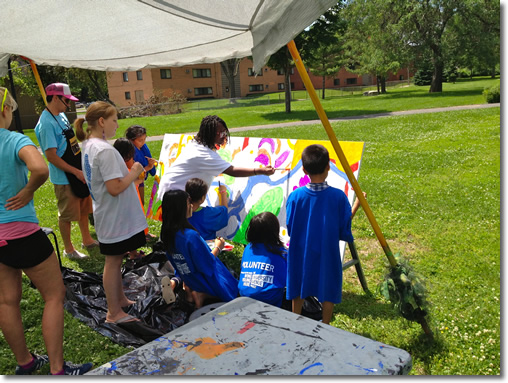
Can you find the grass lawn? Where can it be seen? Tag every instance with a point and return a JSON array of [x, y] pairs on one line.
[[433, 183]]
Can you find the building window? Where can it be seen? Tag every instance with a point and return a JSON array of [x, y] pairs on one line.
[[165, 73], [125, 76], [199, 73], [139, 75], [202, 91], [351, 81], [127, 95], [401, 77], [256, 88], [252, 73], [280, 72], [336, 81], [280, 86]]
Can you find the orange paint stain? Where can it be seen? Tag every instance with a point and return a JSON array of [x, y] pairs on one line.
[[207, 348]]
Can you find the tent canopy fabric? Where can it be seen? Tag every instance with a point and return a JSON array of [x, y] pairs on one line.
[[126, 35]]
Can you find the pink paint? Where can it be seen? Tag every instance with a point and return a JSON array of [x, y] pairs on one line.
[[247, 326], [268, 140], [263, 158], [279, 161]]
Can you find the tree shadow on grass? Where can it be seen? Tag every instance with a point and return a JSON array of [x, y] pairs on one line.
[[311, 114], [364, 305]]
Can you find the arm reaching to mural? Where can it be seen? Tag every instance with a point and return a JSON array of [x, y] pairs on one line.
[[356, 205], [235, 171]]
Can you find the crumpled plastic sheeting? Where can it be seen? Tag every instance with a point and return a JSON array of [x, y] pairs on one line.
[[86, 301]]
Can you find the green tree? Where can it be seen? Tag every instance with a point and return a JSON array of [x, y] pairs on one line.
[[376, 43], [322, 44], [90, 85]]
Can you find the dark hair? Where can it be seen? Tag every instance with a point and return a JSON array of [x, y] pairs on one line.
[[125, 148], [196, 188], [264, 228], [315, 158], [208, 131], [174, 216], [134, 131]]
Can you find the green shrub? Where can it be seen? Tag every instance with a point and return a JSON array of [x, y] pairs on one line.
[[493, 94]]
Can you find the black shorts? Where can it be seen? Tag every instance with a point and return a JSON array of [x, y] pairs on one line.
[[122, 247], [26, 252]]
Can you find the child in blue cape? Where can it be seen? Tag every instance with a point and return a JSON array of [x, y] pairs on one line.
[[203, 274], [207, 220], [318, 216], [264, 265]]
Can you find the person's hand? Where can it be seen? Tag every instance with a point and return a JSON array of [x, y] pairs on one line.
[[19, 200], [219, 243], [137, 168], [357, 201], [151, 164], [222, 188], [267, 170], [79, 175]]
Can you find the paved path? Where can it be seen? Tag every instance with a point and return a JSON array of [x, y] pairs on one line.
[[359, 117]]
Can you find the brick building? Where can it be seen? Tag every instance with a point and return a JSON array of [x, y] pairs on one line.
[[209, 81]]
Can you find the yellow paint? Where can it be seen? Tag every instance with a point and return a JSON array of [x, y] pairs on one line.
[[236, 151], [223, 313], [353, 151], [291, 146], [208, 348]]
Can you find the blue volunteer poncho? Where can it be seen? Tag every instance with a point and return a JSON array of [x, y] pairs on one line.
[[316, 221]]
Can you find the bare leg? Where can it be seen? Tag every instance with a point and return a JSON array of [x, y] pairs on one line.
[[53, 292], [65, 232], [327, 311], [199, 298], [10, 313], [85, 230], [112, 281], [297, 305]]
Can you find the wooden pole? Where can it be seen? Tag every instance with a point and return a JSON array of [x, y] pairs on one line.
[[340, 154]]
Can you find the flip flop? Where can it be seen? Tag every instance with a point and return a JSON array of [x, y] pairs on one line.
[[126, 319], [167, 292]]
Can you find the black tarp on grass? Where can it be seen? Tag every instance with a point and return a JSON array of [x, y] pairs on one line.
[[86, 301]]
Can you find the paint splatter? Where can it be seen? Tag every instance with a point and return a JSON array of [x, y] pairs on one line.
[[311, 366], [208, 348], [283, 157], [262, 158], [246, 327], [269, 141]]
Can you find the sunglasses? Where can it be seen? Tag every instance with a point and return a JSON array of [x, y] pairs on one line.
[[13, 107], [67, 103]]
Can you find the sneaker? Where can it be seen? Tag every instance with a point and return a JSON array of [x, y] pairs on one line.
[[76, 369], [39, 361], [90, 246], [75, 255]]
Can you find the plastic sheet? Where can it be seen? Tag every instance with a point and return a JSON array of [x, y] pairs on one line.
[[86, 301]]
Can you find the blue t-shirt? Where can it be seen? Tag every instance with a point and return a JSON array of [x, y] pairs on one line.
[[139, 156], [13, 177], [199, 268], [49, 133], [316, 222], [263, 274], [208, 220]]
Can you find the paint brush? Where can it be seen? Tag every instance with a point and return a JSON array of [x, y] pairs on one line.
[[282, 169], [156, 162]]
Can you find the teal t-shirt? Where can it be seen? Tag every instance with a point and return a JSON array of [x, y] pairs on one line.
[[49, 132], [13, 177]]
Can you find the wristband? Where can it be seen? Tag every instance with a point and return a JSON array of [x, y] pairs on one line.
[[255, 171], [217, 249], [223, 191]]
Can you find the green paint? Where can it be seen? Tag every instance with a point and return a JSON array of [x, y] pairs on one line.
[[270, 201]]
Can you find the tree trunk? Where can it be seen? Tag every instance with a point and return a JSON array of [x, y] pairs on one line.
[[97, 88], [436, 84], [377, 84], [323, 93], [287, 87], [230, 69], [383, 84]]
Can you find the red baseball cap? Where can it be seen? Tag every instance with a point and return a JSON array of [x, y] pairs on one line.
[[60, 89]]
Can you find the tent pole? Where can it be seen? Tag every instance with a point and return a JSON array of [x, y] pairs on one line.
[[340, 154], [38, 79]]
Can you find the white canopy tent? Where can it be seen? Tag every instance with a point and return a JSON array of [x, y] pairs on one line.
[[128, 35]]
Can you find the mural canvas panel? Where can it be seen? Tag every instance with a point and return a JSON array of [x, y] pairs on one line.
[[249, 196]]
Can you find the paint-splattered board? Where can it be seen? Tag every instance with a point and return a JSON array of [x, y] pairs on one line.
[[248, 337], [249, 196]]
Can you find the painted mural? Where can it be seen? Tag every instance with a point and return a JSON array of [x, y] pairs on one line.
[[249, 196]]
